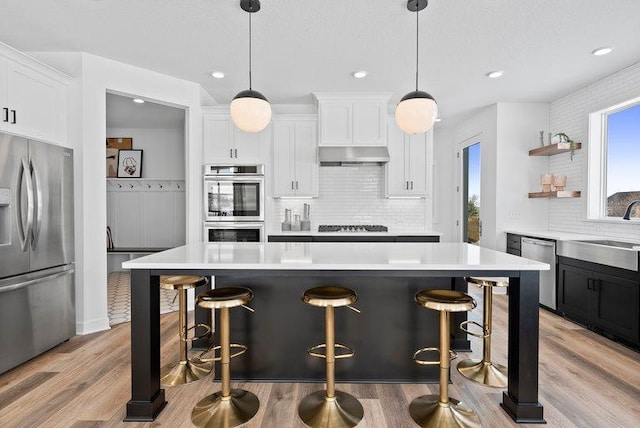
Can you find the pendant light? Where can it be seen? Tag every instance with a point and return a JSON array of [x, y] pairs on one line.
[[250, 110], [417, 111]]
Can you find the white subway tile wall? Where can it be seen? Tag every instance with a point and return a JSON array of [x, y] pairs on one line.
[[355, 195], [570, 115]]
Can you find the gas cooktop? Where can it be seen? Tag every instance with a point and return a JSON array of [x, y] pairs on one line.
[[352, 228]]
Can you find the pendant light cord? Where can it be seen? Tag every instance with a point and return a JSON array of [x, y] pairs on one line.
[[417, 43], [250, 88]]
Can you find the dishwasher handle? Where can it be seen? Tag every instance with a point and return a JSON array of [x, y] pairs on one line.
[[538, 242]]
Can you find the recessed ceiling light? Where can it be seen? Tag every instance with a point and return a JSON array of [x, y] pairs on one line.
[[217, 74], [138, 100], [602, 51], [495, 74], [438, 119], [359, 74]]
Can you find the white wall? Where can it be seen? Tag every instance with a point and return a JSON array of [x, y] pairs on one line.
[[94, 77], [517, 174], [355, 195], [506, 132], [163, 151], [443, 188], [570, 115]]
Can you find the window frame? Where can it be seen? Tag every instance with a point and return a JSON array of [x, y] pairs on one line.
[[597, 161]]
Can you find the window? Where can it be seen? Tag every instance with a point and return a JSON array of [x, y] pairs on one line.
[[614, 161]]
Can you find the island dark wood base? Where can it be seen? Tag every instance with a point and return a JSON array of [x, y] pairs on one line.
[[145, 411], [529, 413], [389, 329], [384, 336]]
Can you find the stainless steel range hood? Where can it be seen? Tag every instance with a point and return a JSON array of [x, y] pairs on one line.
[[353, 155]]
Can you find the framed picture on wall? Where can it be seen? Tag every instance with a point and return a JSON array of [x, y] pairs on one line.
[[129, 163]]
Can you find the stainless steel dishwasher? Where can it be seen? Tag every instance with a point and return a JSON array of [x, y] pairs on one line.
[[543, 251]]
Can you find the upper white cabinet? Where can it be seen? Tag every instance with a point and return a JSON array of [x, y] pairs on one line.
[[295, 165], [352, 119], [409, 168], [224, 142], [33, 98]]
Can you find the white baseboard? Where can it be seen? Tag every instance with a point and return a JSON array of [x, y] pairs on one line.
[[92, 326]]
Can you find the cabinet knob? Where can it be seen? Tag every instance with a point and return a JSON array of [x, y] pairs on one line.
[[13, 116], [6, 114]]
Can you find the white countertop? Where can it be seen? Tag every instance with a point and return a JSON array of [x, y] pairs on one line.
[[556, 235], [334, 256]]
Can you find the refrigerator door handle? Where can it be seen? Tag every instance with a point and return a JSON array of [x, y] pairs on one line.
[[34, 279], [24, 232], [38, 206]]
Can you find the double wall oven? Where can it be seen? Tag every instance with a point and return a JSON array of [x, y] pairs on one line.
[[234, 203]]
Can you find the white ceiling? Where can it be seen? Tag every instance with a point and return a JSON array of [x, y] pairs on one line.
[[122, 112], [544, 46]]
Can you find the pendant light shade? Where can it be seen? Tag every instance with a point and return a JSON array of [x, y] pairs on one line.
[[250, 110], [417, 111]]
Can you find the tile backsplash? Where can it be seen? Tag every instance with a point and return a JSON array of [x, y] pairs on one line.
[[570, 114], [354, 195]]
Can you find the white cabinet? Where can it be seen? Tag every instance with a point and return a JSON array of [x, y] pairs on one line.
[[352, 119], [224, 142], [295, 165], [409, 167], [33, 98]]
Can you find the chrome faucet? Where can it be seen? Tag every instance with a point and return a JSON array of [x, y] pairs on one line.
[[627, 214]]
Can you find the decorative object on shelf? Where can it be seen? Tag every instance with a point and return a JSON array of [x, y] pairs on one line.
[[417, 111], [549, 138], [541, 138], [113, 146], [546, 180], [305, 223], [129, 163], [561, 137], [559, 182], [250, 110], [286, 224], [295, 226]]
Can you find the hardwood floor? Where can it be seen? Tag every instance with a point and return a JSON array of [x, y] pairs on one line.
[[585, 381]]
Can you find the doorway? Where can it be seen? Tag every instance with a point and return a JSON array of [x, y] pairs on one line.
[[470, 195], [145, 183]]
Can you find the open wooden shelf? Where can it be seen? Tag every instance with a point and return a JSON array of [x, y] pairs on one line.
[[554, 149], [556, 194]]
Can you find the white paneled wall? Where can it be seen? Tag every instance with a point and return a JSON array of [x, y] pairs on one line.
[[570, 115], [355, 195], [146, 213]]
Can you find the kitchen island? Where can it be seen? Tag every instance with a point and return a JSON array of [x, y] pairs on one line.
[[385, 335]]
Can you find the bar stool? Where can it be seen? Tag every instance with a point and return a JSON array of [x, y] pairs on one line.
[[229, 407], [441, 411], [186, 369], [330, 408], [484, 371]]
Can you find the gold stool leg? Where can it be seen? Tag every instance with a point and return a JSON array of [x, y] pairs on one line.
[[442, 411], [229, 407], [484, 371], [184, 370], [330, 408]]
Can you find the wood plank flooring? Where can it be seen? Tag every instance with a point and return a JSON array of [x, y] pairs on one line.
[[585, 381]]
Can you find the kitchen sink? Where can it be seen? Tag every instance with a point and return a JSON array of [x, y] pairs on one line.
[[604, 251], [609, 243]]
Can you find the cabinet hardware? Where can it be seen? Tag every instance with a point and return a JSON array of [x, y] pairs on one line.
[[231, 153], [296, 184], [6, 114], [412, 185], [589, 284], [236, 153], [13, 116], [596, 285], [292, 186], [406, 185]]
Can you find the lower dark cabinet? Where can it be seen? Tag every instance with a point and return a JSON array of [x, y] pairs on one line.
[[601, 297], [290, 238]]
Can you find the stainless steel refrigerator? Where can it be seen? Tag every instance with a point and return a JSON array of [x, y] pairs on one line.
[[37, 288]]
